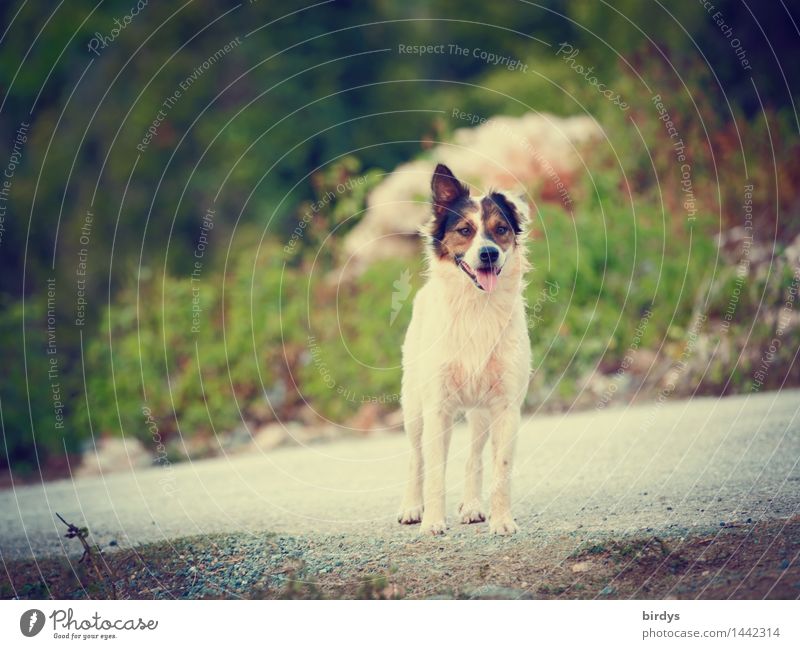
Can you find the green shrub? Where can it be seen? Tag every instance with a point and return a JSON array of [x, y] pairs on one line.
[[39, 399]]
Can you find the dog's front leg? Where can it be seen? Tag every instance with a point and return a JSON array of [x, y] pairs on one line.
[[411, 509], [471, 509], [505, 423], [436, 430]]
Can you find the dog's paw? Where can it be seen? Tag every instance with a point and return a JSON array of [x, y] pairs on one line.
[[471, 512], [410, 515], [503, 525], [433, 528]]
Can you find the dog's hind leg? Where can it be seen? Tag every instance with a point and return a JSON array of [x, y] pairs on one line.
[[471, 508], [411, 508]]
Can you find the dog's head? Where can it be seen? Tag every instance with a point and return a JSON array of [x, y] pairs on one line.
[[480, 235]]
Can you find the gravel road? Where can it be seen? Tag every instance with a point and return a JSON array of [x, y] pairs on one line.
[[673, 466]]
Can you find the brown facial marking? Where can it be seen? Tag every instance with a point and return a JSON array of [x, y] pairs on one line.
[[452, 207], [459, 232], [500, 220]]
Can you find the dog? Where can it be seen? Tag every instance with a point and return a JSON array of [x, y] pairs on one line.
[[466, 349]]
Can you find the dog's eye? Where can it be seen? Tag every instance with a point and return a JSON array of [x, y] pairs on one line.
[[465, 231], [501, 229]]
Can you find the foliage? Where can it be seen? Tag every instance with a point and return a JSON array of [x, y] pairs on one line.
[[319, 98]]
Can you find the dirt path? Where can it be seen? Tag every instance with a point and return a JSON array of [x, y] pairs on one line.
[[590, 488]]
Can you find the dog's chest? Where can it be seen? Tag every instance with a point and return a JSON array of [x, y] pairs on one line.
[[462, 385], [477, 358], [467, 352]]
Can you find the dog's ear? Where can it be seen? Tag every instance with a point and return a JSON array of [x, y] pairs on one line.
[[514, 208], [447, 190]]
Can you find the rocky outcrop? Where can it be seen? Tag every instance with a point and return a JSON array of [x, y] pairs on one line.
[[112, 455], [537, 155]]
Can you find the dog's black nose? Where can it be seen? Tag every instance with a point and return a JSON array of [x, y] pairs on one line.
[[489, 254]]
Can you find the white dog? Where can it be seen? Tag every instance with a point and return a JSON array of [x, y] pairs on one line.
[[466, 348]]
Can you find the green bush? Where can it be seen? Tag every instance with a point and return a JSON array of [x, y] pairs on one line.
[[277, 335], [39, 399]]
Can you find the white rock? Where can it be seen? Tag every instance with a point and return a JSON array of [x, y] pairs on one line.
[[528, 154], [270, 436], [582, 566], [114, 454]]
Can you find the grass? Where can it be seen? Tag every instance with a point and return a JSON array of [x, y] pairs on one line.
[[747, 561]]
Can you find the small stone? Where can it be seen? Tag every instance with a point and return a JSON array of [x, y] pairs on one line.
[[114, 455], [581, 566], [270, 436]]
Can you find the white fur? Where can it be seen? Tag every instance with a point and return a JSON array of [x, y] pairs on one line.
[[465, 350], [481, 240]]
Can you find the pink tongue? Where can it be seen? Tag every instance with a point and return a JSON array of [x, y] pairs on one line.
[[487, 279]]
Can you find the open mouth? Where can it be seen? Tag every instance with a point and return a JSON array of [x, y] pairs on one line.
[[485, 277]]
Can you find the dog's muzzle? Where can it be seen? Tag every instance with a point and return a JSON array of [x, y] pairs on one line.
[[484, 278]]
